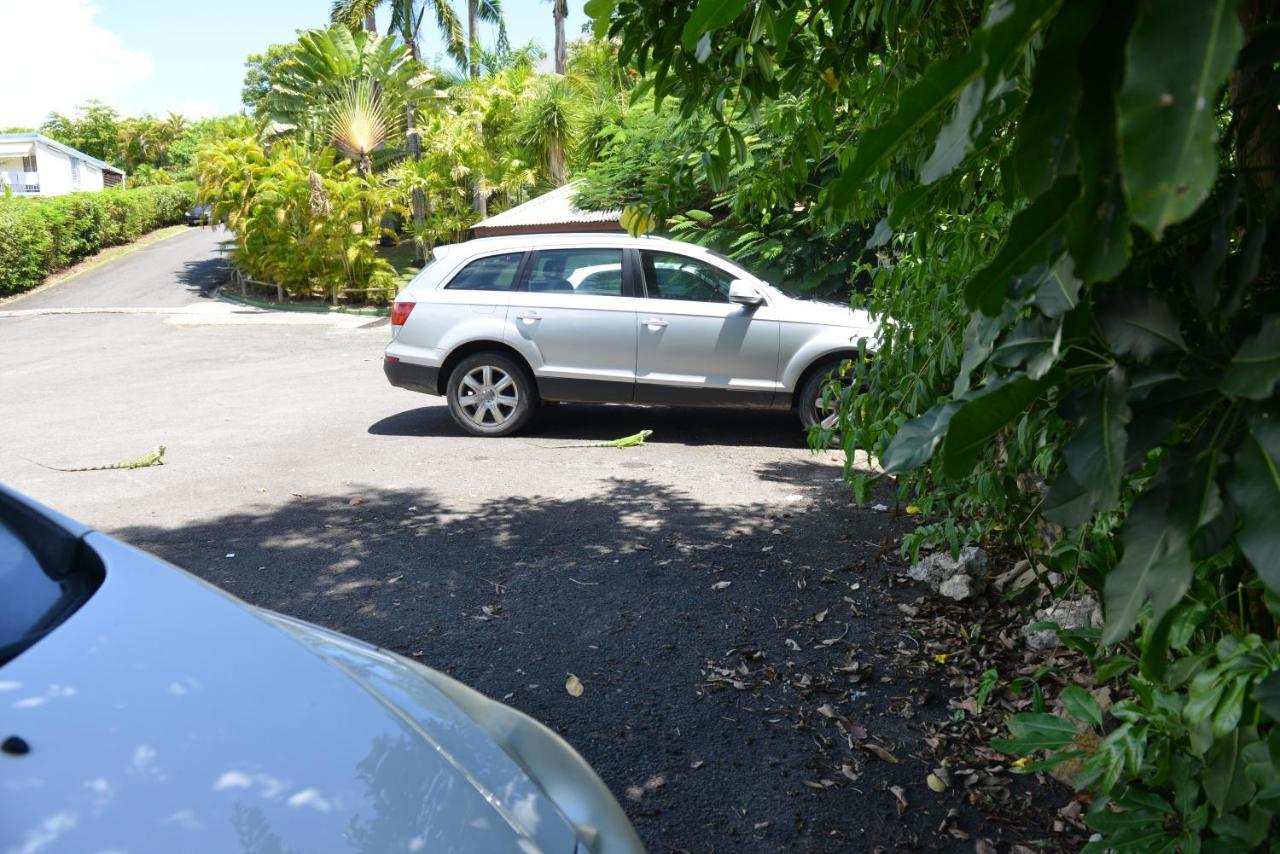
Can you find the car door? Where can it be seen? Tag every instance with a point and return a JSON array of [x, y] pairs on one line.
[[693, 345], [573, 316]]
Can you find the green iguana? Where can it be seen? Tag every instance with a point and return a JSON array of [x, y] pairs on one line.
[[155, 458], [625, 442]]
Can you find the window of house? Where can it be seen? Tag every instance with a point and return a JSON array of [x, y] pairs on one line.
[[75, 170], [29, 163]]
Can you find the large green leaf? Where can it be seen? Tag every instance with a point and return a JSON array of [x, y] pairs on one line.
[[1080, 704], [1099, 234], [709, 16], [1004, 34], [600, 11], [1028, 243], [1156, 565], [915, 441], [984, 413], [1035, 342], [1045, 148], [1067, 504], [1096, 450], [1178, 57], [935, 89], [1034, 731], [1267, 695], [1226, 784], [1137, 323], [1255, 367], [1255, 489], [1057, 289], [955, 138]]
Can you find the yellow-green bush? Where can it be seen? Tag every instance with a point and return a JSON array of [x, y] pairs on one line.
[[41, 235]]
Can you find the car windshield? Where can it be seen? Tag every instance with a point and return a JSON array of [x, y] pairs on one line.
[[34, 597]]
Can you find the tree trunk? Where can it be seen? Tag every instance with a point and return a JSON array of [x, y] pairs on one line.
[[413, 140], [370, 23], [560, 11], [478, 200], [555, 163]]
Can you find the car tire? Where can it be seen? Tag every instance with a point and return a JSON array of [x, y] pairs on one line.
[[491, 394], [809, 398]]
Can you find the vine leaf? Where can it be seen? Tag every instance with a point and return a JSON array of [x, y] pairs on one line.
[[1254, 487], [1225, 784], [1034, 731], [984, 413], [1255, 368], [709, 16], [1178, 56], [1156, 565], [1029, 243]]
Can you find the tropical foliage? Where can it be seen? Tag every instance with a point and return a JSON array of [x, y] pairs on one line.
[[1061, 212], [420, 141]]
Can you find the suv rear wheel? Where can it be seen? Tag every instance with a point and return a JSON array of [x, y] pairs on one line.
[[490, 394]]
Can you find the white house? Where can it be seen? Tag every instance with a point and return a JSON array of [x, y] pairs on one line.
[[31, 164]]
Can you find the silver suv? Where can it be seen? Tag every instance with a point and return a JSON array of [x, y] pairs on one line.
[[498, 324]]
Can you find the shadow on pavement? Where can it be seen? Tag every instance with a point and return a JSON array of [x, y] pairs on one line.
[[202, 276], [601, 423], [691, 626]]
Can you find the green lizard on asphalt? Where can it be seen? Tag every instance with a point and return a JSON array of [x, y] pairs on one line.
[[155, 458], [634, 441]]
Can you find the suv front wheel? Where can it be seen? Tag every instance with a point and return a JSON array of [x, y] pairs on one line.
[[490, 394]]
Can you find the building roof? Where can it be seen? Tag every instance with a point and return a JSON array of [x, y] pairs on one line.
[[553, 211], [53, 143]]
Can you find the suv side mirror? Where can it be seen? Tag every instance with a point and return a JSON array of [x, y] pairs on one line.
[[744, 293]]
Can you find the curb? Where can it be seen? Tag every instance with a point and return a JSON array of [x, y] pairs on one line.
[[221, 294]]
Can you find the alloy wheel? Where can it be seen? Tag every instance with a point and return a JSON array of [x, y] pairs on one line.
[[488, 396]]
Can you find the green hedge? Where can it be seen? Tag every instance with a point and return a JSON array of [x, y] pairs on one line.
[[41, 235]]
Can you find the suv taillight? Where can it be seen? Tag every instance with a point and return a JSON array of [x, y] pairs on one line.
[[400, 312]]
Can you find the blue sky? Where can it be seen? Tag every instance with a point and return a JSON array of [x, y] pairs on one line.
[[144, 56]]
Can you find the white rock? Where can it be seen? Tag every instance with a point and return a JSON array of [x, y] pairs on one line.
[[1079, 612], [939, 566], [959, 587]]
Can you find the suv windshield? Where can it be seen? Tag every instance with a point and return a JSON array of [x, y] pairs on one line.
[[45, 575]]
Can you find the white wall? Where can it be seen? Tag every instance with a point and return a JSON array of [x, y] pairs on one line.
[[55, 171]]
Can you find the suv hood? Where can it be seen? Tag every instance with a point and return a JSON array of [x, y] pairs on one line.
[[795, 310], [158, 720]]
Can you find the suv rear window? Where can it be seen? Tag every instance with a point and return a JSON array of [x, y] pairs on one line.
[[495, 273]]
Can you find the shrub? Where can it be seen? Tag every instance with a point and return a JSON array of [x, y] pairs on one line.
[[41, 235]]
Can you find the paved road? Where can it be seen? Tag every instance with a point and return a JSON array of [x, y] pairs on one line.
[[300, 481], [166, 274]]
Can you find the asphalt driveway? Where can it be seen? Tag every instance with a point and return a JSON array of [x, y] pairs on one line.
[[711, 590]]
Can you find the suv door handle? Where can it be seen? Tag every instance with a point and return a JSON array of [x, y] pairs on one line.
[[655, 322], [529, 315]]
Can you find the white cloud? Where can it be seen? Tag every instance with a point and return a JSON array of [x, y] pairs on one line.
[[56, 56]]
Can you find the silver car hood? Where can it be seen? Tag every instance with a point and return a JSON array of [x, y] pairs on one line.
[[158, 720], [795, 310]]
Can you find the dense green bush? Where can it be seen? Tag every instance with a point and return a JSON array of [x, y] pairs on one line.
[[41, 235]]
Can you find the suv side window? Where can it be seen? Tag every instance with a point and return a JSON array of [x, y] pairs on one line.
[[678, 277], [593, 272], [495, 273]]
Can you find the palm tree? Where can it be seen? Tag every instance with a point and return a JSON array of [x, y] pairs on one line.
[[358, 122], [547, 123], [559, 11]]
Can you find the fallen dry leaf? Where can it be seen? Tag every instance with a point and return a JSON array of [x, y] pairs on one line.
[[721, 585], [935, 783], [901, 795], [573, 685], [881, 752], [820, 616]]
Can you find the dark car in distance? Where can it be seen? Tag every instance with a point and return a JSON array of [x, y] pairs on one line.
[[198, 215]]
